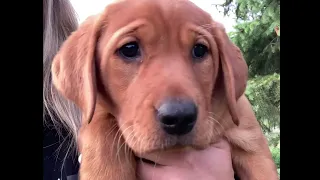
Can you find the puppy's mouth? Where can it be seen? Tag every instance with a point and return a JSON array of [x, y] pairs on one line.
[[160, 157], [148, 161]]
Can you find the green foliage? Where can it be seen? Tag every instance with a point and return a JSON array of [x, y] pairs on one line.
[[275, 151], [261, 50], [263, 93], [273, 137], [255, 33], [276, 155]]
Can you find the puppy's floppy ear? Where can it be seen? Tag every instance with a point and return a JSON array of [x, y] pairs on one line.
[[73, 68], [234, 69]]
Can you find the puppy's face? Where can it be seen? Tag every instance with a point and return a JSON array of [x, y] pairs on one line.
[[158, 66]]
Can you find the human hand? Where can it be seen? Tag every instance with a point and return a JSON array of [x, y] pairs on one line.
[[213, 163]]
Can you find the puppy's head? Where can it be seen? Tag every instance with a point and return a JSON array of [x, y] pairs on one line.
[[164, 69]]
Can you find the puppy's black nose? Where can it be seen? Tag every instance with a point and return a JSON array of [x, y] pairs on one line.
[[177, 117]]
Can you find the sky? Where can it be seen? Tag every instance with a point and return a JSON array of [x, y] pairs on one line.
[[85, 8]]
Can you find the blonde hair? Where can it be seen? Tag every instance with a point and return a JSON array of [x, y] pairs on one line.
[[59, 20]]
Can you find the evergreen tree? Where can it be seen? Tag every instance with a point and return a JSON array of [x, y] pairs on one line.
[[257, 33]]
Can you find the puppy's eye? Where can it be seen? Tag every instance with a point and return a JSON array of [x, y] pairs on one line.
[[130, 50], [199, 51]]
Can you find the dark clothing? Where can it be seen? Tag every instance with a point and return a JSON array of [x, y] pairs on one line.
[[54, 152]]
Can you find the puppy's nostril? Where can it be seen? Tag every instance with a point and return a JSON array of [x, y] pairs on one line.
[[169, 120], [189, 119], [177, 116]]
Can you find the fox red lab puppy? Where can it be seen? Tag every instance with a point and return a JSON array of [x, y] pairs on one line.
[[156, 75]]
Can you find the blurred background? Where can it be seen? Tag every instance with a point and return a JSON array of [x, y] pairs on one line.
[[254, 26]]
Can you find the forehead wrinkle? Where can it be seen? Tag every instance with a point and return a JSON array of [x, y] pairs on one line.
[[200, 30], [116, 36], [190, 32], [128, 11], [177, 14]]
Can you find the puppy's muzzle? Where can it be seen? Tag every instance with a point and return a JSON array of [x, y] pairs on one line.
[[177, 116]]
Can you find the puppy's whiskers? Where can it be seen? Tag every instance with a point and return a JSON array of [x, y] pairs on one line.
[[105, 144], [139, 141], [155, 163], [117, 137], [127, 151], [119, 147], [140, 145], [111, 130], [214, 119]]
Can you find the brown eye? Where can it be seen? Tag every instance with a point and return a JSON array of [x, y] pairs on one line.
[[129, 51], [199, 51]]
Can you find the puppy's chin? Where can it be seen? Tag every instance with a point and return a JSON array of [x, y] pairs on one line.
[[147, 161], [158, 157], [169, 144], [173, 149]]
